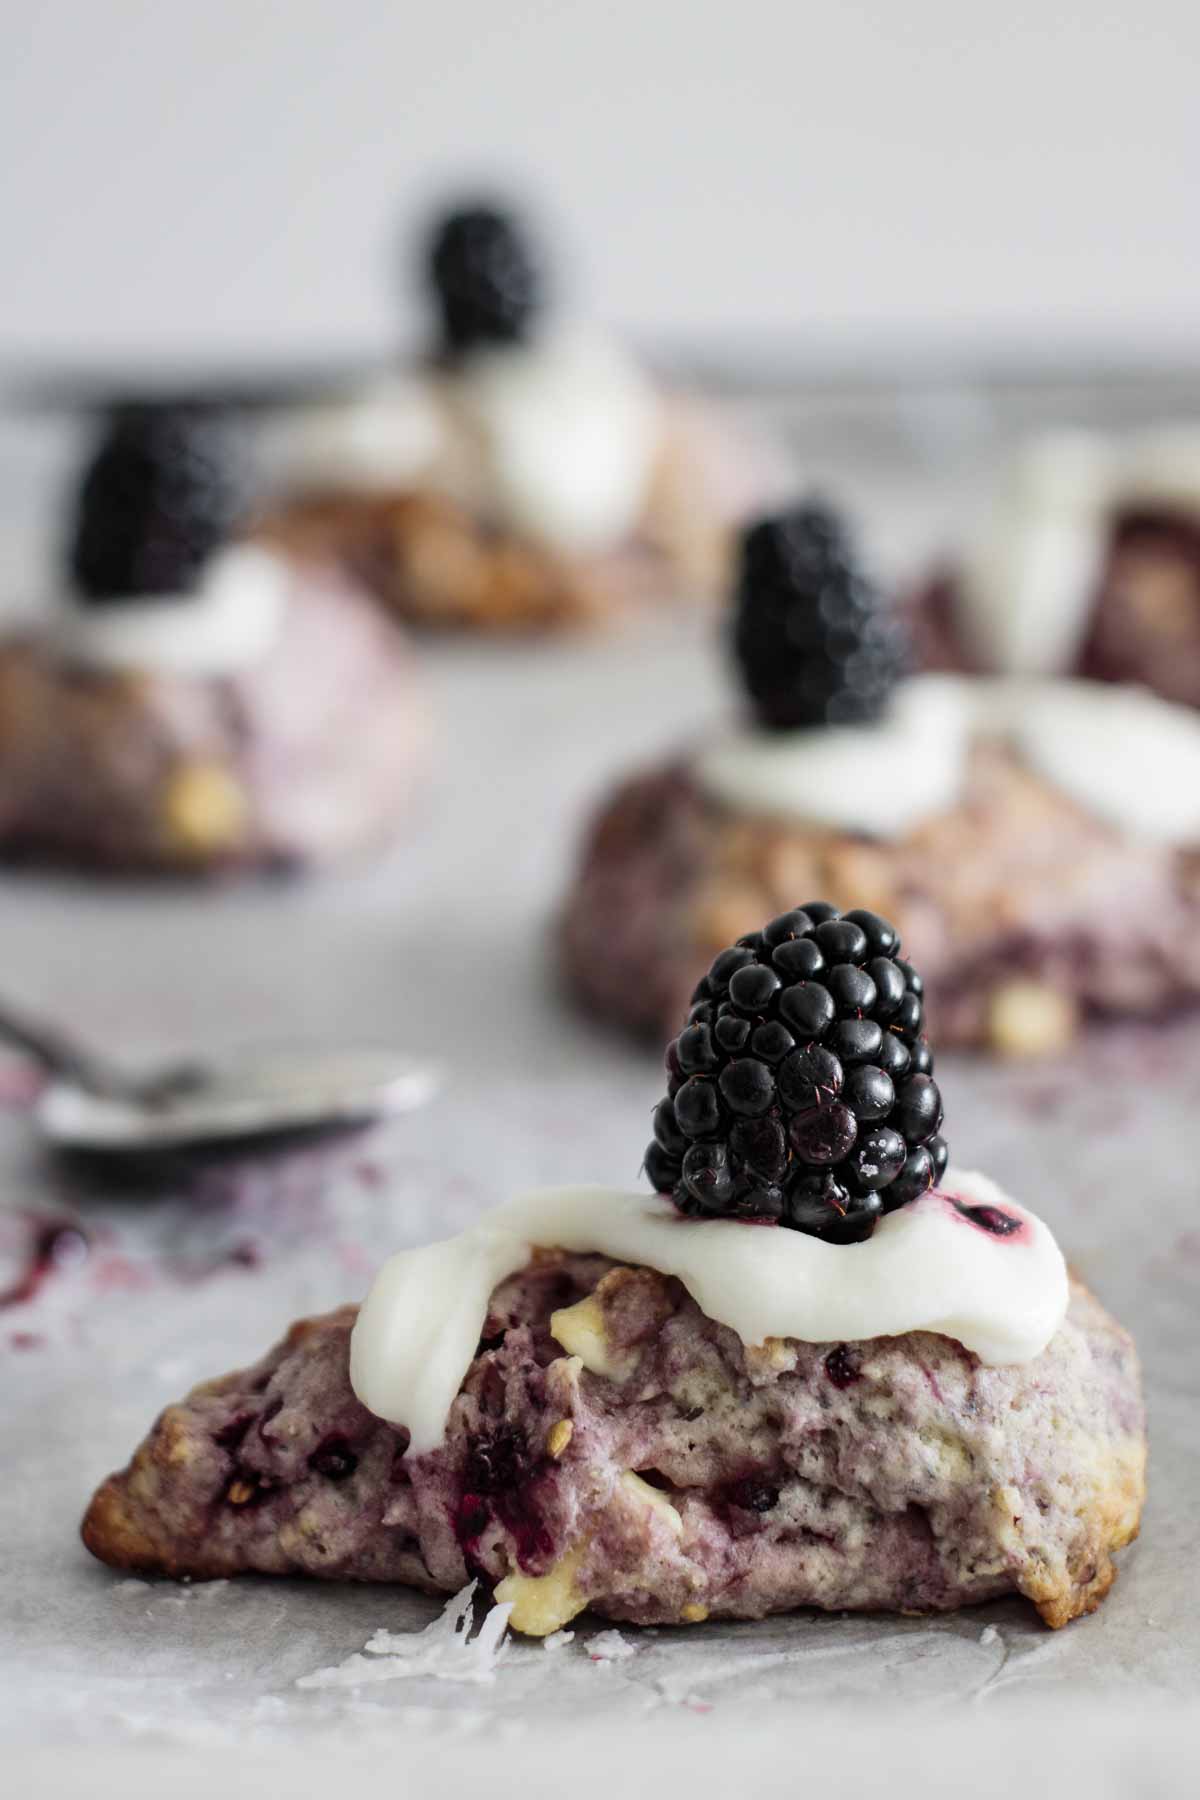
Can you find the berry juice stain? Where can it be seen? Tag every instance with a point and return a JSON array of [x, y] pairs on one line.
[[58, 1245], [991, 1219], [497, 1484]]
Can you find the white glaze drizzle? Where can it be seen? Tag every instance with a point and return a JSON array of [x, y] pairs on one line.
[[879, 779], [1127, 756], [230, 623], [387, 436], [1029, 583], [557, 439], [570, 430], [925, 1268]]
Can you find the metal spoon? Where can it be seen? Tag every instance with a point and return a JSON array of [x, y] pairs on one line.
[[91, 1105]]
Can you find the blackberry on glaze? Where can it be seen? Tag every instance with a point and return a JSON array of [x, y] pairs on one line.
[[162, 492], [815, 641], [799, 1090], [485, 277]]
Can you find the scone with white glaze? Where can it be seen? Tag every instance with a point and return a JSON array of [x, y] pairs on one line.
[[1089, 564], [814, 1368], [689, 1477], [993, 819], [196, 701], [530, 475]]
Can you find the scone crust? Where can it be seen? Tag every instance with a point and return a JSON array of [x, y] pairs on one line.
[[435, 566], [441, 567]]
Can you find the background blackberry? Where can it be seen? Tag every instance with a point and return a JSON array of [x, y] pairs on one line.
[[816, 643], [485, 277], [800, 1088], [162, 492]]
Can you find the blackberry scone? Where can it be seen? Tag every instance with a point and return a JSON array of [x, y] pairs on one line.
[[198, 702], [1037, 840], [1090, 566], [525, 476], [812, 1368]]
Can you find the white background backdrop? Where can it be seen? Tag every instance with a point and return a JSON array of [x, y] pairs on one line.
[[234, 175]]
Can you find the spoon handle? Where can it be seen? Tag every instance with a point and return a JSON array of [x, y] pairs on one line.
[[56, 1053]]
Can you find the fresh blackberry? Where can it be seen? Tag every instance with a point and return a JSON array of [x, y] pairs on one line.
[[163, 490], [486, 279], [815, 641], [799, 1089]]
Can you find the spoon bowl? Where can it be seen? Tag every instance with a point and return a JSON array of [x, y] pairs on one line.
[[249, 1096]]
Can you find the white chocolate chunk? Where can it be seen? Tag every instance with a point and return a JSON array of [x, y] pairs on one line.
[[544, 1603], [654, 1498], [580, 1329]]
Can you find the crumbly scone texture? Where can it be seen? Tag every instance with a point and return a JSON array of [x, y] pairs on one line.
[[438, 565], [613, 1448], [1005, 904], [435, 565], [306, 758]]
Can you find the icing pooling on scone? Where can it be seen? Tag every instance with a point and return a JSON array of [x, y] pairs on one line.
[[557, 439], [385, 437], [1126, 755], [1028, 585], [928, 1266], [570, 432], [879, 779], [229, 624]]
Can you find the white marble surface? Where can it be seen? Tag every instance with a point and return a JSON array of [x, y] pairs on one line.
[[442, 948]]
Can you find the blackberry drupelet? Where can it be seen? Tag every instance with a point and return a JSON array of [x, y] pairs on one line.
[[485, 277], [816, 643], [799, 1090], [163, 491]]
